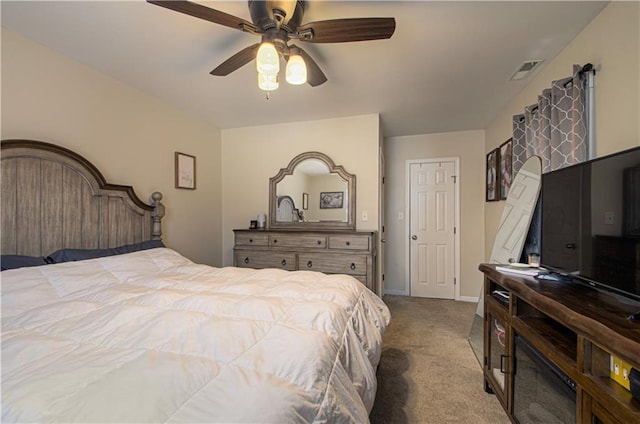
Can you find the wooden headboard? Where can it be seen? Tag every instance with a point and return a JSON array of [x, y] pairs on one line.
[[53, 198]]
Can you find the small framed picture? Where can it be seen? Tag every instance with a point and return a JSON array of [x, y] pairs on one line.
[[506, 168], [185, 171], [331, 199], [305, 201], [492, 176]]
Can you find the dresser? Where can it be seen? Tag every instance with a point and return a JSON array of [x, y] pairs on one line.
[[331, 252]]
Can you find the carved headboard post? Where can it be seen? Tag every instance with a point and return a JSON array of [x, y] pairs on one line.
[[157, 215], [53, 198]]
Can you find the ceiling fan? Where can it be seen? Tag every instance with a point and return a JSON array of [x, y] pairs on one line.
[[278, 23]]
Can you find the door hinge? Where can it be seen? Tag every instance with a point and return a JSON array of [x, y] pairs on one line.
[[455, 230], [382, 277], [455, 281], [454, 178]]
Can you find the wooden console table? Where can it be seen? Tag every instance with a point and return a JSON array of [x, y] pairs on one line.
[[576, 327]]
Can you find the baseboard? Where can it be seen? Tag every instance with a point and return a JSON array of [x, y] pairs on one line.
[[469, 299], [396, 292]]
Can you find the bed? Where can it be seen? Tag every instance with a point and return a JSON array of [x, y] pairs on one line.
[[115, 327]]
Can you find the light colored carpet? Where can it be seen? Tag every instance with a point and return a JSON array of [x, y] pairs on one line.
[[428, 372]]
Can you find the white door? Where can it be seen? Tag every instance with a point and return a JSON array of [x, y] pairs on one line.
[[432, 229]]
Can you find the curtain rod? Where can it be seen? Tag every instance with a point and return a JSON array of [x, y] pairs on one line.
[[586, 68]]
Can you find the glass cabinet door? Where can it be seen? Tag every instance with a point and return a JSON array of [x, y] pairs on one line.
[[497, 365]]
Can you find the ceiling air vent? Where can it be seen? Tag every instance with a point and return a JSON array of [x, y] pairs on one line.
[[525, 69]]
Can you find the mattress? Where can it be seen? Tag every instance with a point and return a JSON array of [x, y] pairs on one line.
[[152, 337]]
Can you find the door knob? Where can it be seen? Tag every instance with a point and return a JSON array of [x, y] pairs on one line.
[[414, 237]]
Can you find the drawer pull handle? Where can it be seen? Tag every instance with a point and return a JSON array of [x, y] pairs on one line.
[[250, 240], [275, 241], [284, 262], [348, 243], [246, 260], [353, 267], [309, 264], [319, 242]]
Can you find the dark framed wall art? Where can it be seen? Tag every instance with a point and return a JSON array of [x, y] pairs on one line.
[[506, 168], [492, 176], [331, 199]]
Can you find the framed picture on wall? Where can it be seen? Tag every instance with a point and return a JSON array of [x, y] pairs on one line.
[[506, 168], [331, 199], [185, 171], [492, 176]]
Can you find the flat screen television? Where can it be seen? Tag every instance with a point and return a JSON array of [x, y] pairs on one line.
[[590, 222]]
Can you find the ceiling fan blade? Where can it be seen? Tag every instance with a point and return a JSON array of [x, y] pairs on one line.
[[349, 29], [315, 76], [236, 61], [206, 13]]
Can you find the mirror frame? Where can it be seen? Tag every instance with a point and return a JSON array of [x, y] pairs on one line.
[[350, 197]]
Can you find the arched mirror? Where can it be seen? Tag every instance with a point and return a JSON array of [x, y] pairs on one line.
[[511, 234], [312, 193]]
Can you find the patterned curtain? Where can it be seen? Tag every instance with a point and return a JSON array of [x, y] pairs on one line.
[[555, 128]]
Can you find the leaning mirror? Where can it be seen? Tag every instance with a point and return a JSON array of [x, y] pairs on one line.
[[511, 234], [312, 193]]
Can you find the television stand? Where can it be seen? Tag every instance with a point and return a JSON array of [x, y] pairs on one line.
[[575, 329]]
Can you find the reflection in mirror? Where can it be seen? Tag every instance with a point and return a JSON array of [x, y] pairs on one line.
[[312, 176], [511, 233], [517, 213], [312, 193], [286, 211]]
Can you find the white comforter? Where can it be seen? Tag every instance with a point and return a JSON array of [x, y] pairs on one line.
[[152, 337]]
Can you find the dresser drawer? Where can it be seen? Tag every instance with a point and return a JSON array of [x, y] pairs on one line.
[[251, 239], [264, 259], [298, 241], [333, 263], [348, 242]]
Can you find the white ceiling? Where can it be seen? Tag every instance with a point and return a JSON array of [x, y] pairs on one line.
[[446, 68]]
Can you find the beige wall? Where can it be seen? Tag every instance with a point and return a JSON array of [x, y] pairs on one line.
[[468, 146], [129, 136], [252, 155], [611, 42]]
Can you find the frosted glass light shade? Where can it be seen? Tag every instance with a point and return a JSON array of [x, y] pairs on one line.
[[268, 82], [267, 59], [296, 70]]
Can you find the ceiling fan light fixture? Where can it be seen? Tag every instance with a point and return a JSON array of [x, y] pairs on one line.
[[267, 59], [296, 72], [268, 82]]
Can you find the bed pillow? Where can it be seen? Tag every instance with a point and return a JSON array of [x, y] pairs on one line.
[[67, 255], [21, 261]]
